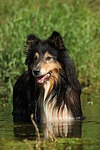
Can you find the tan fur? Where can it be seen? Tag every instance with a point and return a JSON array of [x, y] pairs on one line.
[[52, 113]]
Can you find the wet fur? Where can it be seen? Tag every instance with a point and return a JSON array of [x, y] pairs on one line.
[[57, 99]]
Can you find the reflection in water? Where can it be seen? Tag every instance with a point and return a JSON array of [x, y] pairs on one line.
[[70, 129], [65, 129]]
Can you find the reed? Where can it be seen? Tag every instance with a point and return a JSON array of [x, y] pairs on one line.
[[77, 21]]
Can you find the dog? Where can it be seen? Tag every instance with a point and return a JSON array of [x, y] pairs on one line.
[[49, 89]]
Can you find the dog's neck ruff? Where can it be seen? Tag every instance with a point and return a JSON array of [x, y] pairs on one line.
[[54, 113]]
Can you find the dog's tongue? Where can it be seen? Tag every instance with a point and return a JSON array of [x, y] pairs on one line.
[[41, 80]]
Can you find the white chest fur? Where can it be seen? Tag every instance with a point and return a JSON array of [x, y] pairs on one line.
[[52, 113]]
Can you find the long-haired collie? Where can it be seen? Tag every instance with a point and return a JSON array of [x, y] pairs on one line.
[[49, 88]]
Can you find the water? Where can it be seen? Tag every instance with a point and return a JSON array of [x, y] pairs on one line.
[[83, 135]]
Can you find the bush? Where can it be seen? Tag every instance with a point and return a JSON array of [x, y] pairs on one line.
[[73, 19]]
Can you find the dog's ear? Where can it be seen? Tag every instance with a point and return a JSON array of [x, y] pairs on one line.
[[31, 41], [56, 41]]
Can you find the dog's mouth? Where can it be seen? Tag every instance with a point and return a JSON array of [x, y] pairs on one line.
[[42, 79]]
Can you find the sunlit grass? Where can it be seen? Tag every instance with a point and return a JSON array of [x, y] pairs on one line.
[[75, 20]]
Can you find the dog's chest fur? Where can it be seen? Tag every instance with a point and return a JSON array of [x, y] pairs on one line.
[[49, 111]]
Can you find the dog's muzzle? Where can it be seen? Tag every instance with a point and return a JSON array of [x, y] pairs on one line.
[[35, 72]]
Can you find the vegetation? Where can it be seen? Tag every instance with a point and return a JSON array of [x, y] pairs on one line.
[[77, 21]]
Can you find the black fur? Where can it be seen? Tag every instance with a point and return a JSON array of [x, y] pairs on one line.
[[26, 91]]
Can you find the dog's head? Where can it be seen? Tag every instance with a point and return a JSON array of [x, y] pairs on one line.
[[42, 57]]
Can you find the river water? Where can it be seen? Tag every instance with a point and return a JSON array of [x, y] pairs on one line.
[[78, 135]]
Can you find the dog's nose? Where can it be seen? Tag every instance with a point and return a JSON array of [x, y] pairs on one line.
[[35, 72]]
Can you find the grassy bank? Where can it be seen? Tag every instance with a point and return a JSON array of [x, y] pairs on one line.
[[77, 21]]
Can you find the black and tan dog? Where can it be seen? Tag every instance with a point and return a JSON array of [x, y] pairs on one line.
[[49, 88]]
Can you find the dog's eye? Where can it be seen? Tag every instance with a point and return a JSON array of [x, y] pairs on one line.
[[35, 58], [48, 58]]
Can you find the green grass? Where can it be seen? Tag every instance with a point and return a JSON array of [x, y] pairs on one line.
[[77, 21]]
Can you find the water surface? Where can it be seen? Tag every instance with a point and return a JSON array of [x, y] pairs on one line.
[[81, 135]]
